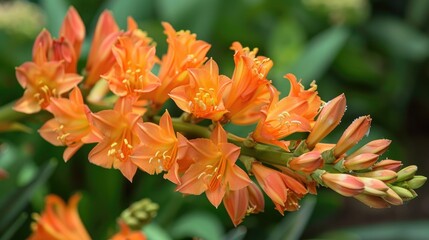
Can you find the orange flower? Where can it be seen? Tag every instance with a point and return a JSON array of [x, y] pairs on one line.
[[59, 221], [70, 126], [41, 83], [100, 58], [66, 48], [73, 30], [248, 91], [352, 135], [213, 169], [243, 201], [328, 119], [184, 51], [119, 129], [131, 74], [127, 234], [158, 151], [284, 191], [280, 119], [203, 95]]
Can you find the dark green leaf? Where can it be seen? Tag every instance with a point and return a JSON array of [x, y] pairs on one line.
[[197, 224], [14, 227], [14, 202], [292, 226]]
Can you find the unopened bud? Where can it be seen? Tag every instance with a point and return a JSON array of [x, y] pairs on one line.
[[372, 201], [393, 198], [307, 162], [386, 176], [352, 135], [374, 186], [361, 161], [416, 182], [139, 213], [407, 173], [403, 192], [377, 147], [344, 184], [328, 119], [388, 164]]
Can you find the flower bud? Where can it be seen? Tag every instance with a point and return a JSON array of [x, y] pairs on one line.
[[372, 201], [352, 135], [388, 164], [392, 197], [139, 213], [377, 147], [374, 186], [307, 162], [344, 184], [361, 161], [328, 119], [386, 176], [406, 173], [403, 192], [416, 182]]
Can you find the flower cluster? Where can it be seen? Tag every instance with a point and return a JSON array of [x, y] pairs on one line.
[[132, 133]]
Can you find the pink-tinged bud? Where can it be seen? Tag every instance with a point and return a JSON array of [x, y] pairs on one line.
[[407, 173], [374, 187], [344, 184], [352, 135], [386, 176], [361, 161], [328, 119], [377, 147], [307, 162], [388, 164], [372, 201], [393, 198]]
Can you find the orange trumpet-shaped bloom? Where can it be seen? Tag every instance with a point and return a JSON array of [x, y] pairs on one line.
[[71, 125], [41, 82], [100, 58], [243, 201], [119, 129], [66, 48], [73, 30], [59, 221], [249, 89], [284, 191], [184, 51], [203, 95], [280, 119], [131, 74], [212, 169], [127, 234], [158, 149]]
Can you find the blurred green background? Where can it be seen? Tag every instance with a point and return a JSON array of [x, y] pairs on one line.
[[376, 52]]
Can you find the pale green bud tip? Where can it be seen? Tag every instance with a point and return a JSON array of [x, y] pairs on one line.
[[139, 213], [416, 182], [406, 173]]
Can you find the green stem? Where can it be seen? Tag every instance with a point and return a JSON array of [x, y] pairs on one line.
[[7, 114]]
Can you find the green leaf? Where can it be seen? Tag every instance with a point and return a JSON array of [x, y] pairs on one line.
[[55, 11], [292, 226], [317, 57], [400, 230], [398, 38], [178, 14], [237, 233], [417, 12], [14, 202], [197, 224], [154, 231], [14, 227], [135, 8]]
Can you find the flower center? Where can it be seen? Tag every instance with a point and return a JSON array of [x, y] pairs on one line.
[[161, 160], [120, 152], [204, 101]]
